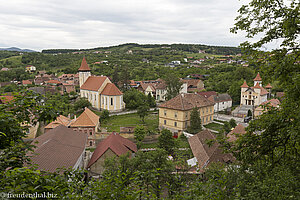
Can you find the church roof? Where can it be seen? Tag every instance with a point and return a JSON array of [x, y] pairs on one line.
[[111, 90], [93, 83], [84, 66], [244, 85], [257, 78], [268, 86]]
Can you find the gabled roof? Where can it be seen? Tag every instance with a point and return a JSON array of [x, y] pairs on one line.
[[87, 118], [271, 102], [60, 120], [84, 66], [257, 78], [244, 85], [239, 129], [187, 102], [191, 82], [26, 82], [58, 148], [115, 143], [53, 82], [93, 83], [111, 90], [263, 90], [206, 153], [146, 85], [220, 98], [207, 93]]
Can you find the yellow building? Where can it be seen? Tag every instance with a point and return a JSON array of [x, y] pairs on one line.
[[99, 90], [174, 114]]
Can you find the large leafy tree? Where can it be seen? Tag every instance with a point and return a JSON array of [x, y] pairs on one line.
[[173, 85], [195, 123]]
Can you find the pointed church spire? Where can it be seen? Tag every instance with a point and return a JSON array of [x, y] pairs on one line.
[[84, 66], [244, 85], [257, 78]]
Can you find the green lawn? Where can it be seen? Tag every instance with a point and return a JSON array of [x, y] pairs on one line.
[[115, 122], [214, 126]]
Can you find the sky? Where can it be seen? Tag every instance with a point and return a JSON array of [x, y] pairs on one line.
[[78, 24]]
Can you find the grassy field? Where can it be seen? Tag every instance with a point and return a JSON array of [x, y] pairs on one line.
[[214, 126], [15, 60], [115, 122]]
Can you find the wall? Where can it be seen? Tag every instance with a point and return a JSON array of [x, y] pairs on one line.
[[98, 167]]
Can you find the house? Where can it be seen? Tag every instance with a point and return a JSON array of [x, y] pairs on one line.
[[174, 114], [99, 90], [67, 88], [69, 78], [222, 101], [26, 82], [53, 82], [41, 80], [206, 153], [60, 147], [88, 123], [263, 107], [30, 68], [60, 120], [207, 94], [234, 134], [113, 145], [193, 85], [147, 88]]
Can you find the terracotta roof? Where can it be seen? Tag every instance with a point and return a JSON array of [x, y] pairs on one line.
[[6, 99], [191, 82], [58, 148], [263, 90], [207, 93], [232, 135], [111, 90], [271, 102], [53, 81], [244, 85], [257, 78], [205, 153], [114, 142], [26, 82], [257, 86], [162, 85], [60, 120], [145, 85], [87, 118], [93, 83], [187, 102], [220, 98], [84, 66], [268, 86]]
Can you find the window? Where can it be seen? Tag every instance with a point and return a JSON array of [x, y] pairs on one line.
[[185, 124], [91, 143], [165, 112], [206, 110], [111, 101], [210, 118], [165, 122], [95, 97], [186, 115], [91, 133], [175, 124], [175, 115], [206, 119]]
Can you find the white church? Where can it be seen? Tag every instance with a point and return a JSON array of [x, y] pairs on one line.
[[99, 90]]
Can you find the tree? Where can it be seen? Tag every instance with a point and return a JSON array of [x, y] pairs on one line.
[[139, 134], [232, 123], [81, 104], [166, 141], [104, 115], [195, 122], [173, 86], [226, 128], [151, 101], [134, 98], [142, 111], [249, 113]]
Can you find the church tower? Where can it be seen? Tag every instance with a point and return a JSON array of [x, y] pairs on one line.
[[258, 80], [84, 72]]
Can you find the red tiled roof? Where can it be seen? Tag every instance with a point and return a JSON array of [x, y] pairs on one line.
[[114, 142], [26, 82], [93, 83], [111, 90], [6, 99], [271, 102], [257, 78], [60, 120], [87, 118], [187, 102], [84, 66], [269, 86], [205, 153], [239, 129], [244, 85], [207, 93], [263, 90], [58, 148], [53, 82]]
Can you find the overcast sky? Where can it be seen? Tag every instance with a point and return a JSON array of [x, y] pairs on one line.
[[45, 24]]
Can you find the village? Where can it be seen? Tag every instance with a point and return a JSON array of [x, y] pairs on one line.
[[85, 141]]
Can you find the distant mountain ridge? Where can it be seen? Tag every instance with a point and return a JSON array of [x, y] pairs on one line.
[[16, 49]]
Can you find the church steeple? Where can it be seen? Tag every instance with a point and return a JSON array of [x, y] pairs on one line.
[[84, 72], [257, 79]]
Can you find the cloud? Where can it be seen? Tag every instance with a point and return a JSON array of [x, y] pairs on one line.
[[84, 24]]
